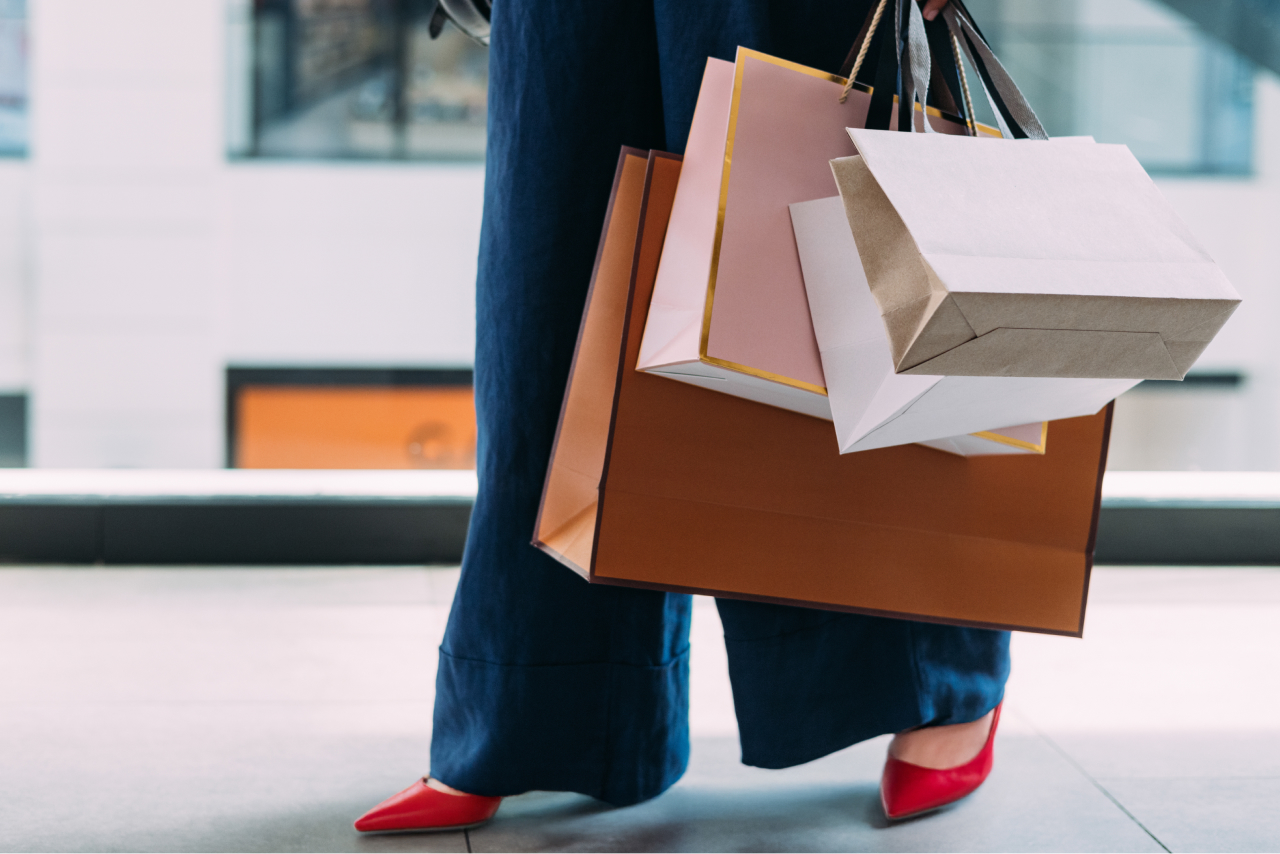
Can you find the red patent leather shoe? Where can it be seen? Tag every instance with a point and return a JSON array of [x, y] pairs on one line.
[[908, 790], [422, 808]]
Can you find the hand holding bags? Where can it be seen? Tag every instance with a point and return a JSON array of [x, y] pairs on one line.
[[654, 483], [1027, 259]]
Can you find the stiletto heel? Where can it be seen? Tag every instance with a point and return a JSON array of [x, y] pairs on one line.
[[908, 790], [422, 808]]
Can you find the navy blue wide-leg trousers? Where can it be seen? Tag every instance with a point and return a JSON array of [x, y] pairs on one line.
[[547, 682]]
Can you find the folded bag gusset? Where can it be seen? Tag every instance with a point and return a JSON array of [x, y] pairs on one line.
[[872, 406], [1021, 258]]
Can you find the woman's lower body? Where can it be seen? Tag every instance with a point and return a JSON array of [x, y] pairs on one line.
[[547, 682]]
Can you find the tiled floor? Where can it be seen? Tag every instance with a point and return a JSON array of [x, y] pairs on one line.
[[263, 709]]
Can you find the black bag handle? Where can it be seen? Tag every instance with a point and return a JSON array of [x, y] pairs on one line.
[[885, 83], [907, 65], [1014, 114], [913, 55], [469, 16], [853, 63]]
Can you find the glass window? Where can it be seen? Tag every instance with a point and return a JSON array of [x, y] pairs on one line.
[[13, 77], [1129, 71], [353, 78]]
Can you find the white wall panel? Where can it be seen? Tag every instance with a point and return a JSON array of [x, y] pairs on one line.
[[359, 264], [154, 280], [14, 275], [126, 128], [125, 132], [144, 38], [157, 263], [125, 369], [110, 441]]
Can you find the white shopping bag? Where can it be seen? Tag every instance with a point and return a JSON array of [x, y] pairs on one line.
[[874, 407], [1020, 258]]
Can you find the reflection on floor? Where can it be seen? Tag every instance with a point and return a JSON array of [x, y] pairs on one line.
[[263, 709]]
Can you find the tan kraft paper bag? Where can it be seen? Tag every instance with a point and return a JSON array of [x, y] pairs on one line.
[[1025, 258]]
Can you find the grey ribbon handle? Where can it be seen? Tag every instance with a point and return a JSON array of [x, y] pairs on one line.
[[1014, 101], [916, 70], [917, 67]]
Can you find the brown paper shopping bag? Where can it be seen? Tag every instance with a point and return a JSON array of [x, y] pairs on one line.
[[665, 485], [1020, 258]]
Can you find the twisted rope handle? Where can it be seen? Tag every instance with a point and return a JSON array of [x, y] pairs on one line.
[[862, 51], [964, 85], [1014, 114]]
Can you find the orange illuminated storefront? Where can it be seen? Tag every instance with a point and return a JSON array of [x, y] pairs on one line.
[[350, 419]]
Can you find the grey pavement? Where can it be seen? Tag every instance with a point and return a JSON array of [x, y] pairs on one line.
[[263, 709]]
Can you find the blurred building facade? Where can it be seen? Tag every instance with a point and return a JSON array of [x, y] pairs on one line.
[[195, 188], [139, 258]]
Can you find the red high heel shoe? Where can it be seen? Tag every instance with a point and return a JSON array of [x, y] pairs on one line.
[[423, 808], [908, 790]]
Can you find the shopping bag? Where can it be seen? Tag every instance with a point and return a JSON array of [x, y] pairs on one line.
[[729, 309], [1027, 259], [664, 485], [874, 407]]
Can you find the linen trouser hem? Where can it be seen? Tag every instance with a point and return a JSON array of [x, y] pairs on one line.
[[776, 761], [863, 677], [622, 737]]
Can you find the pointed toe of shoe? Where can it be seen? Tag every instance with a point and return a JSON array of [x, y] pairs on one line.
[[908, 790], [422, 808]]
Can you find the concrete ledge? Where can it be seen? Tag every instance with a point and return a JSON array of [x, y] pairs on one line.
[[1190, 518], [234, 516], [241, 516], [231, 486]]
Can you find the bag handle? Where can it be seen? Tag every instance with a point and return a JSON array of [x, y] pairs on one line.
[[894, 66], [908, 60], [860, 45], [1015, 116], [916, 73], [469, 16], [964, 83]]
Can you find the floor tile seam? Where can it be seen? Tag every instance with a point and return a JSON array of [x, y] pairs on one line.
[[1053, 745], [1177, 777]]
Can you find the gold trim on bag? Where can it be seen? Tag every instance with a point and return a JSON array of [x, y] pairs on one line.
[[1018, 443], [762, 374]]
